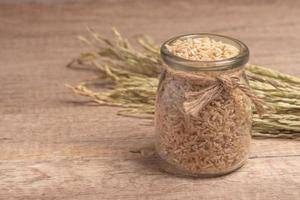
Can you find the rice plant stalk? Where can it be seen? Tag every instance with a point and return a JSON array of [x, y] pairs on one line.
[[129, 80]]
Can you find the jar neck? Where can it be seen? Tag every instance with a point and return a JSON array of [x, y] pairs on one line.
[[234, 63]]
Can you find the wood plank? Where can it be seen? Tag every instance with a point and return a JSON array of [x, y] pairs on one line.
[[93, 160], [54, 147], [65, 132], [139, 178]]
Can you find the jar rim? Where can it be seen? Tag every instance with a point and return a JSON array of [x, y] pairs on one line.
[[183, 64]]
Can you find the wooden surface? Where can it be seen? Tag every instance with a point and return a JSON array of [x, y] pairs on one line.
[[53, 147]]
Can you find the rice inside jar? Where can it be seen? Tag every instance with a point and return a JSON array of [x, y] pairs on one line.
[[203, 114]]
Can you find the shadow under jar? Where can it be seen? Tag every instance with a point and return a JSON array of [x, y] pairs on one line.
[[202, 119]]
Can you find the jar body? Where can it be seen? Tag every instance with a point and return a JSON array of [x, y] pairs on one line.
[[214, 143]]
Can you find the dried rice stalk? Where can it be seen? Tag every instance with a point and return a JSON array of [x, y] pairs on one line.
[[131, 79]]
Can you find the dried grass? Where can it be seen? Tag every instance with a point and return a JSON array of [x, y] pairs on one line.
[[133, 79]]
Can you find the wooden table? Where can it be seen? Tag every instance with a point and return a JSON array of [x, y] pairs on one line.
[[54, 147]]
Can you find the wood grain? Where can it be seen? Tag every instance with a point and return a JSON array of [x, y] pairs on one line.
[[54, 147]]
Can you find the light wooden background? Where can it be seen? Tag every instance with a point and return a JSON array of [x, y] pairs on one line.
[[52, 147]]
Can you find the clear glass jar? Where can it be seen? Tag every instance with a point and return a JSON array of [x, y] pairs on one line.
[[217, 140]]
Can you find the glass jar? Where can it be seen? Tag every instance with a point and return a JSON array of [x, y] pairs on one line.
[[213, 140]]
